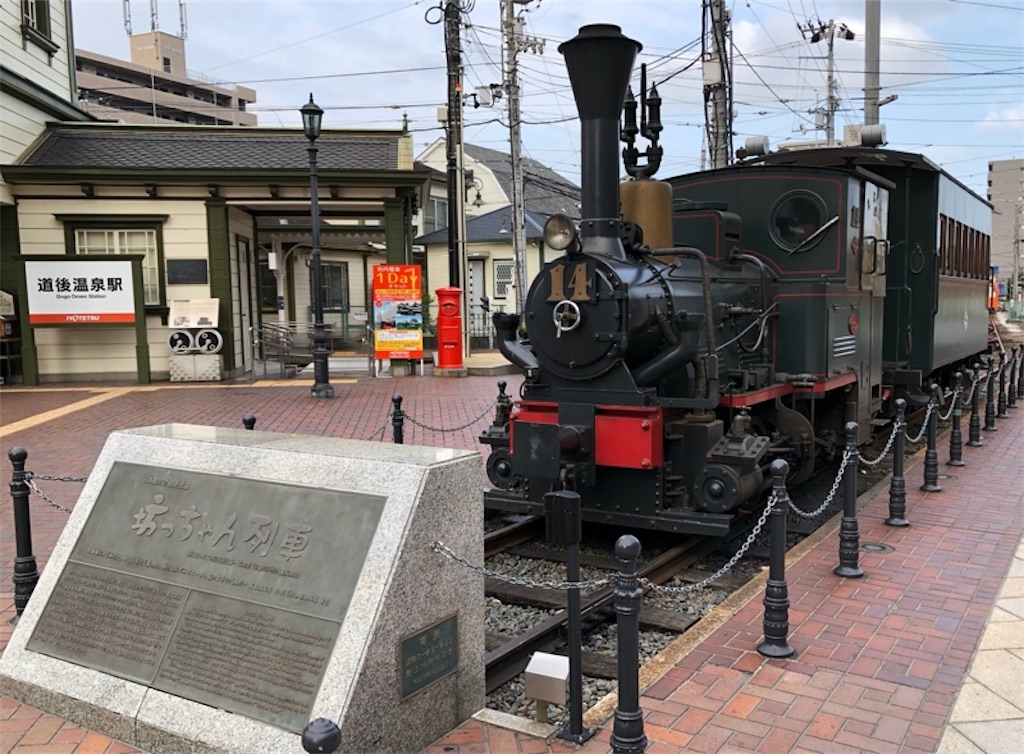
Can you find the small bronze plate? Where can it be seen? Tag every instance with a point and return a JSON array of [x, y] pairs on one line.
[[429, 655], [223, 590]]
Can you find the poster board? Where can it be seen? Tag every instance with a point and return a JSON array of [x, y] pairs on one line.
[[397, 311], [195, 312]]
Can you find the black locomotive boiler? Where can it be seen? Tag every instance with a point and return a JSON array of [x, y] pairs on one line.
[[662, 377]]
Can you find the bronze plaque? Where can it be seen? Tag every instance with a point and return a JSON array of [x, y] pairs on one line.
[[220, 589], [429, 655]]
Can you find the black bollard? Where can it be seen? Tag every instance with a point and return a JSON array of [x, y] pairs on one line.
[[563, 520], [1020, 376], [849, 534], [776, 593], [249, 421], [990, 399], [1003, 413], [956, 440], [1011, 390], [931, 455], [26, 575], [398, 419], [321, 735], [628, 729], [898, 485], [974, 426]]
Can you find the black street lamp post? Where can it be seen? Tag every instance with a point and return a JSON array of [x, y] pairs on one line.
[[311, 118]]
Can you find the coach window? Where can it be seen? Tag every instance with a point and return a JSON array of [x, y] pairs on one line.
[[123, 235], [796, 217]]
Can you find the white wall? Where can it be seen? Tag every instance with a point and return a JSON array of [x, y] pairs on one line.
[[67, 353], [20, 122]]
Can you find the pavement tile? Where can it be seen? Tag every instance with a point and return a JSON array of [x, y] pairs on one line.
[[998, 736], [976, 702], [880, 658]]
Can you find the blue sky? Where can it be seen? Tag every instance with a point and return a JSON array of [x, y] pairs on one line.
[[957, 66]]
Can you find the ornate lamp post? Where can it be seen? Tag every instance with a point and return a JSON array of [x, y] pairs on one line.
[[311, 118]]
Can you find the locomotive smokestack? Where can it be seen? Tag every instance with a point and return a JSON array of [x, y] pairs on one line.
[[599, 60]]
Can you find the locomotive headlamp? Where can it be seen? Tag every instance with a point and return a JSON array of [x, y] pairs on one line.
[[560, 233]]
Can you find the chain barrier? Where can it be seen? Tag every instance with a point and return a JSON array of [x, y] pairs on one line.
[[897, 427], [442, 548], [924, 425], [974, 386], [643, 581], [46, 498], [847, 453], [468, 424], [381, 428], [952, 406]]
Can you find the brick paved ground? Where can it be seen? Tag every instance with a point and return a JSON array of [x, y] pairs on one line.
[[879, 659], [68, 446]]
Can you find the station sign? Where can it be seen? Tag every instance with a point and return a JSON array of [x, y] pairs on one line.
[[80, 291]]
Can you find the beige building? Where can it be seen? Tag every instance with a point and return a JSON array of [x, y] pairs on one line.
[[204, 208], [1006, 193], [156, 87], [489, 264]]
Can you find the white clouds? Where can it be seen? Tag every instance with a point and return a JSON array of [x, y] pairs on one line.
[[928, 48]]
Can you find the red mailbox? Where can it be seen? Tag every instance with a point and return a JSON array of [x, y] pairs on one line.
[[449, 328]]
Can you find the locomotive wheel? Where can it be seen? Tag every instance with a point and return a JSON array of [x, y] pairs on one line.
[[499, 469]]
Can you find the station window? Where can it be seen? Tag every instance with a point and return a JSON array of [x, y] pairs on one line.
[[796, 217], [334, 281], [127, 241]]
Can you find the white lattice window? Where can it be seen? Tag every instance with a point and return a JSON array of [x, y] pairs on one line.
[[504, 277], [35, 24], [128, 241]]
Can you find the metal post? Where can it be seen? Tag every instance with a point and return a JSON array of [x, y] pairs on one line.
[[26, 575], [1011, 390], [849, 534], [628, 729], [898, 485], [321, 372], [249, 421], [990, 399], [956, 440], [776, 593], [1020, 376], [974, 427], [397, 419], [563, 520], [931, 455], [1003, 413], [321, 735]]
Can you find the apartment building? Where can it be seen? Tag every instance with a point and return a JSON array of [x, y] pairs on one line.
[[156, 87], [1006, 193]]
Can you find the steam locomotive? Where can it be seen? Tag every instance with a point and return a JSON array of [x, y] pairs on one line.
[[694, 330]]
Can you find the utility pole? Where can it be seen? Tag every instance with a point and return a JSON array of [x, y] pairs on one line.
[[718, 83], [872, 32], [516, 42], [453, 140], [819, 32]]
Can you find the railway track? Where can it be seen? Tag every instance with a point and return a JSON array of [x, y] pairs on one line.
[[505, 659]]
